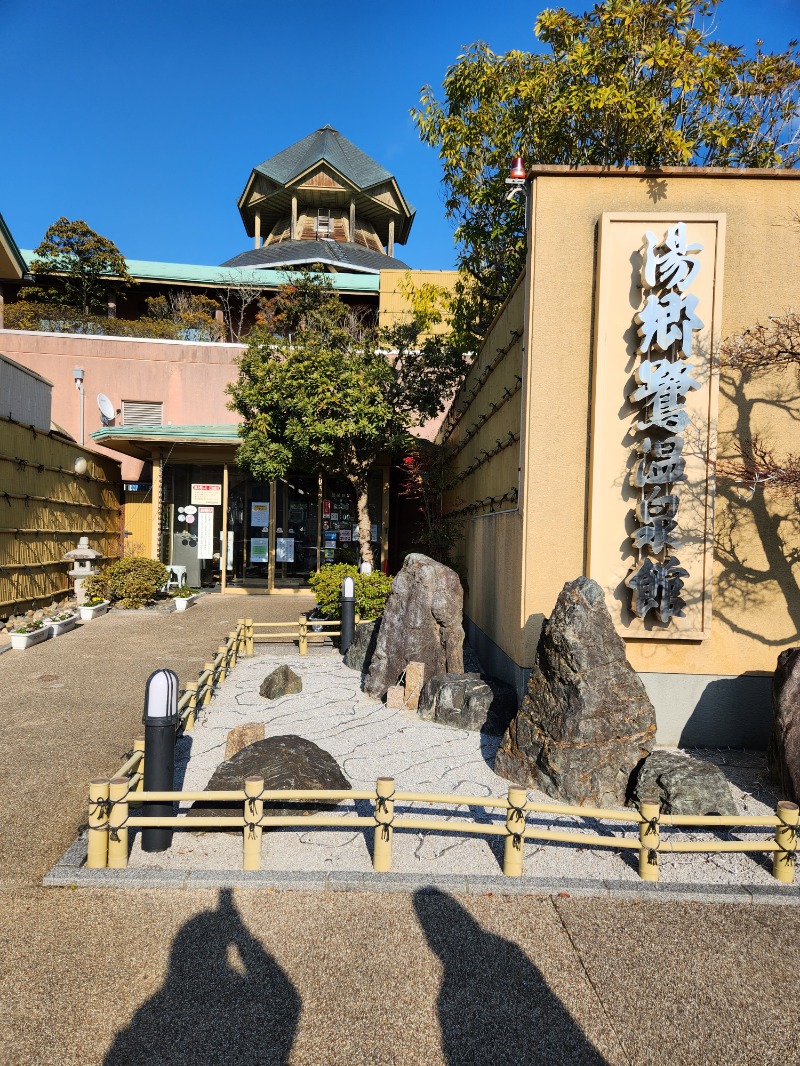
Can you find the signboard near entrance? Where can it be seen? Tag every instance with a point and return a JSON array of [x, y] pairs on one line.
[[259, 515], [259, 549], [205, 532], [208, 494]]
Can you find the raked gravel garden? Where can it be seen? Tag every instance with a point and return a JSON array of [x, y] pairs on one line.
[[369, 740]]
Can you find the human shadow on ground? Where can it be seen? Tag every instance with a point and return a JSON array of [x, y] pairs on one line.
[[224, 1001], [494, 1006]]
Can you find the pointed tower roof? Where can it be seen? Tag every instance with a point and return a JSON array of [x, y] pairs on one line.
[[326, 144]]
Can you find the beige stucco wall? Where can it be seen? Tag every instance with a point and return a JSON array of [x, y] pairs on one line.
[[393, 302], [485, 414], [755, 595], [189, 379]]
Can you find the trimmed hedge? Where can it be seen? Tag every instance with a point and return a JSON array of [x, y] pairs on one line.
[[130, 582], [372, 590]]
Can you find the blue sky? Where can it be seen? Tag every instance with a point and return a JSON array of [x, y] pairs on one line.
[[145, 119]]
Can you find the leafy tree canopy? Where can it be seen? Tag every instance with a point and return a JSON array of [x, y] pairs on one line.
[[89, 267], [630, 82], [320, 389]]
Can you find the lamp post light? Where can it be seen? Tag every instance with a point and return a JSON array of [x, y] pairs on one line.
[[77, 374], [348, 614], [160, 720]]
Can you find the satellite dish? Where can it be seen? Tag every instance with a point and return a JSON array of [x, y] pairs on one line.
[[107, 411]]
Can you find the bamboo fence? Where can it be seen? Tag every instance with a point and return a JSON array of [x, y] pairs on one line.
[[111, 802]]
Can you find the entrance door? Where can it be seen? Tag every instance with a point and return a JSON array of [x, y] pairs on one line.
[[296, 530]]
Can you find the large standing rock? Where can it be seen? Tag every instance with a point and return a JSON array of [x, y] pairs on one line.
[[283, 681], [421, 623], [784, 743], [468, 702], [585, 722], [359, 655], [286, 762], [683, 785]]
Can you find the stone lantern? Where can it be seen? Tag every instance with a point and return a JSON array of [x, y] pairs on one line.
[[81, 559]]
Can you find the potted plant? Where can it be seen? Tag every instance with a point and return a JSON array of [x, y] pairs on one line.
[[93, 608], [25, 636], [184, 597], [63, 622]]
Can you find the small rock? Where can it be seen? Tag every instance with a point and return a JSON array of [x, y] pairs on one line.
[[683, 785], [283, 681], [241, 736], [285, 762], [466, 701], [359, 655], [783, 753], [415, 679], [395, 697]]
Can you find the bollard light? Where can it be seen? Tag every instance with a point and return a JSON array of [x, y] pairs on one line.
[[365, 568], [348, 614], [160, 721]]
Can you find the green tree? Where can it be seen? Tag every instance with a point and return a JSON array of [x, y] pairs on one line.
[[319, 389], [76, 267], [630, 82]]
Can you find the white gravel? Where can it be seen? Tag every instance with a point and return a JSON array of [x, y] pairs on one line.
[[370, 741]]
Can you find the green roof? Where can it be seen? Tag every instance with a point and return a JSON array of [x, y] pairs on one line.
[[222, 434], [328, 144], [188, 273]]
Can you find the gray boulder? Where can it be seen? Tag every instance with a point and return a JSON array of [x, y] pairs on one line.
[[585, 722], [359, 655], [283, 681], [286, 762], [468, 701], [683, 785], [783, 752], [421, 623]]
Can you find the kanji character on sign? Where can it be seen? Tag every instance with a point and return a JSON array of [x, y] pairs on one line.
[[656, 535], [656, 505], [667, 319], [657, 587], [663, 386], [674, 266]]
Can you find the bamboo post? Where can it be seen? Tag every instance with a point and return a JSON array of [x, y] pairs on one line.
[[222, 650], [303, 635], [117, 824], [209, 683], [384, 816], [138, 745], [250, 634], [241, 637], [783, 860], [232, 648], [513, 851], [97, 848], [649, 839], [191, 717], [253, 810]]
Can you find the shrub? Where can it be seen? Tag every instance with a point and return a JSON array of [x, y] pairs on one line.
[[372, 590], [130, 581]]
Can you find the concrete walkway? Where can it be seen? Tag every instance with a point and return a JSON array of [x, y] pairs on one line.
[[201, 976]]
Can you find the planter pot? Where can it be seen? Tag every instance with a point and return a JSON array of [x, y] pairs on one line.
[[58, 628], [182, 602], [88, 613], [21, 641]]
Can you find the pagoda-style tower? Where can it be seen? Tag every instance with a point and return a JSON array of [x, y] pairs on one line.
[[323, 200]]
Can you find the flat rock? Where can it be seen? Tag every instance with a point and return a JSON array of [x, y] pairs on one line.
[[283, 681], [467, 701], [359, 655], [585, 723], [783, 752], [285, 762], [241, 736], [421, 623], [683, 785]]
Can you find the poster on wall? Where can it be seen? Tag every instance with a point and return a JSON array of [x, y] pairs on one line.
[[229, 562], [330, 554], [345, 536], [326, 507], [259, 515], [330, 536], [207, 494], [284, 549], [205, 532], [259, 549]]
